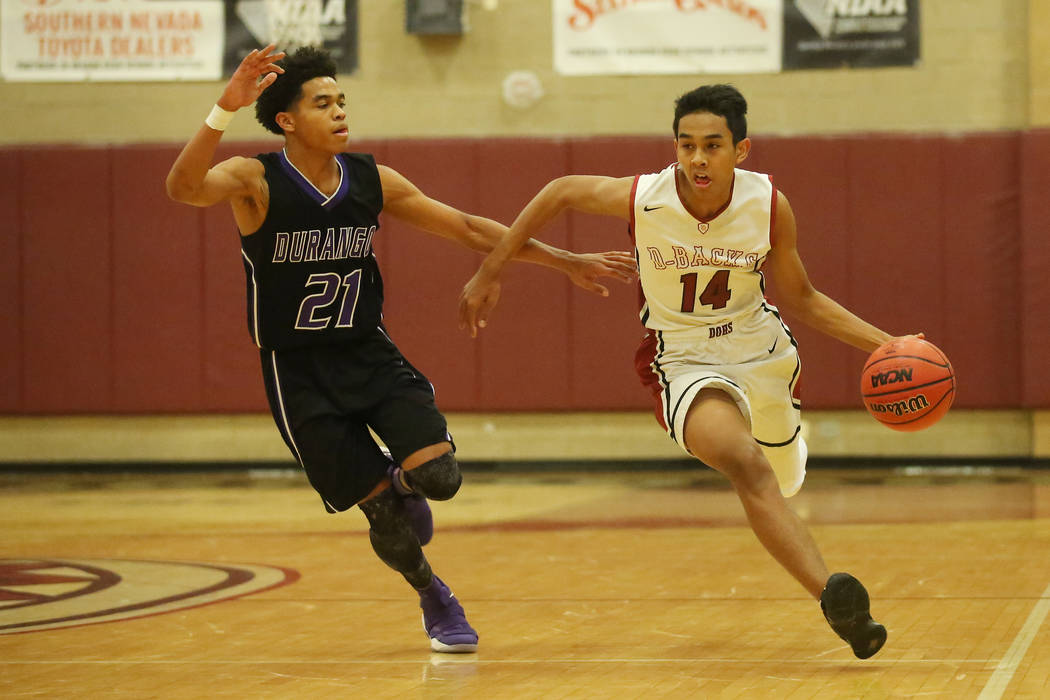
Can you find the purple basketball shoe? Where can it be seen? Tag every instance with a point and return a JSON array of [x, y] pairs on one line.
[[444, 620]]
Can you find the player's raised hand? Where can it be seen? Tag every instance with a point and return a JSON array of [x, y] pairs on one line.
[[585, 269], [477, 299], [257, 72]]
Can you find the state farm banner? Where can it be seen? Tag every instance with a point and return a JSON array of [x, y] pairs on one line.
[[860, 33], [593, 37], [109, 40]]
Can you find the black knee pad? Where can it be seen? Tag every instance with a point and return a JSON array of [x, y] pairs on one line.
[[391, 534], [439, 479]]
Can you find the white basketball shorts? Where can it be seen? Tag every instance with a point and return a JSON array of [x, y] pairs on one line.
[[758, 367]]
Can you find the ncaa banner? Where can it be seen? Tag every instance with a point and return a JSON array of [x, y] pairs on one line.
[[110, 40], [629, 37], [329, 24], [860, 33]]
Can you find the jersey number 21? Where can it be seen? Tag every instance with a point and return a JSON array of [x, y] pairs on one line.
[[315, 313]]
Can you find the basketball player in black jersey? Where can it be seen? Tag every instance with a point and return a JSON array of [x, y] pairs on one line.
[[308, 215]]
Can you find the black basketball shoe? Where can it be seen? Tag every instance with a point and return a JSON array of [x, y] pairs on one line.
[[847, 609]]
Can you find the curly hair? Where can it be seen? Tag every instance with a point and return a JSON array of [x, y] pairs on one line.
[[307, 63], [722, 100]]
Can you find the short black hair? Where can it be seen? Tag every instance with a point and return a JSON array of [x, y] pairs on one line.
[[722, 100], [307, 63]]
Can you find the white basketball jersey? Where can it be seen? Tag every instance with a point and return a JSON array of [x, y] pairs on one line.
[[695, 272]]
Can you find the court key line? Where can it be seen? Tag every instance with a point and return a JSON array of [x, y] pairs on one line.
[[1007, 666]]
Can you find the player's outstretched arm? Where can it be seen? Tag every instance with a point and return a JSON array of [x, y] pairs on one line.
[[192, 179], [798, 297], [589, 193], [408, 203]]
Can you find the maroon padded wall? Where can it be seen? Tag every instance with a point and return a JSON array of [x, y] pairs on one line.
[[66, 212], [824, 243], [422, 272], [11, 399], [157, 345], [606, 331], [981, 268], [1032, 314], [120, 301], [523, 356]]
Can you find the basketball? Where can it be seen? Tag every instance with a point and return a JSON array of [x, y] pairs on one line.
[[908, 384]]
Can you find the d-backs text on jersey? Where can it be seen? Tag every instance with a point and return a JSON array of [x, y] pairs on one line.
[[681, 258]]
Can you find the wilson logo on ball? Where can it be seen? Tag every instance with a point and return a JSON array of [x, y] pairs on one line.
[[899, 408]]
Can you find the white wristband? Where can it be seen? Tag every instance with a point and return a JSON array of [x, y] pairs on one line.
[[219, 118]]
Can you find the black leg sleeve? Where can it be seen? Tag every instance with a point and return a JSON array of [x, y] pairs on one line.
[[393, 539]]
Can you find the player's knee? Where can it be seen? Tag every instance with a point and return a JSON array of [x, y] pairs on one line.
[[399, 552], [439, 479], [390, 532], [385, 513], [747, 467]]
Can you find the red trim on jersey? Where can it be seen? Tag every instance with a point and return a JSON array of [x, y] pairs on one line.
[[681, 199], [772, 213], [634, 241], [643, 365], [630, 225]]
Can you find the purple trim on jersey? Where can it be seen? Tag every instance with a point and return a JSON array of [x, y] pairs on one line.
[[310, 189], [283, 424], [253, 301]]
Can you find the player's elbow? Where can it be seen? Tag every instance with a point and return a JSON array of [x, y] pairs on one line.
[[184, 190], [177, 189], [561, 192], [797, 300], [579, 192], [473, 234]]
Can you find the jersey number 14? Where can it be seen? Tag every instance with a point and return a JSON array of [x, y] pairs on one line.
[[716, 294]]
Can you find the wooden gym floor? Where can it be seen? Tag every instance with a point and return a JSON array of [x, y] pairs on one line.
[[581, 585]]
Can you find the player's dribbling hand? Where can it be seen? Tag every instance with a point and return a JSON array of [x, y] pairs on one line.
[[257, 72], [478, 297], [585, 269]]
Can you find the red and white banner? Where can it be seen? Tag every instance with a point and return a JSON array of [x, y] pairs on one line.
[[594, 37], [111, 40]]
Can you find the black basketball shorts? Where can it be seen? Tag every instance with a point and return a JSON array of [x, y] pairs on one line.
[[324, 400]]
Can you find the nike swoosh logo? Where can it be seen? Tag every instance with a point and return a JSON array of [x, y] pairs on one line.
[[774, 346], [649, 208]]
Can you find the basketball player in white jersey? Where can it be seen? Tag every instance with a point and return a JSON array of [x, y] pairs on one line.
[[720, 362]]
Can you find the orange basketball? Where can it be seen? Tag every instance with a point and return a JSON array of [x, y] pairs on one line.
[[907, 384]]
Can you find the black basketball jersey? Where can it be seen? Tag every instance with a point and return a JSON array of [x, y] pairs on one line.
[[311, 274]]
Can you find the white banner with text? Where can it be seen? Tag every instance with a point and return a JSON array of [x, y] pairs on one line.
[[631, 37], [111, 40]]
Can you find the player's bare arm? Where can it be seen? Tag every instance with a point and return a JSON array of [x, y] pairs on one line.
[[194, 180], [799, 298], [406, 202], [592, 194]]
